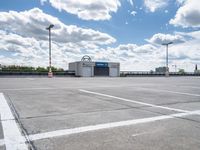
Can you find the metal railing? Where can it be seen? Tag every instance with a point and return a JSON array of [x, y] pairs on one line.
[[147, 73], [35, 73]]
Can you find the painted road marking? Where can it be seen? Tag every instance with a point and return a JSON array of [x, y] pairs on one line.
[[2, 142], [133, 101], [143, 133], [78, 130], [27, 89], [139, 134], [12, 136], [168, 91]]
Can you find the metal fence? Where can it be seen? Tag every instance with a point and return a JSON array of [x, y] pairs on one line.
[[146, 73], [20, 73], [72, 73]]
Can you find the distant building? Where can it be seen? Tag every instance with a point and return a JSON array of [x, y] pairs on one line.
[[160, 70], [196, 69], [88, 68]]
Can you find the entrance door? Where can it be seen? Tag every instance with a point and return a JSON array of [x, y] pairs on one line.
[[101, 71]]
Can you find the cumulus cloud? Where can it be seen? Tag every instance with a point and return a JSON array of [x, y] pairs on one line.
[[42, 2], [153, 5], [24, 41], [184, 55], [133, 13], [32, 23], [136, 57], [26, 50], [87, 9], [131, 2], [23, 36], [131, 56], [180, 1], [160, 38], [187, 15], [29, 51]]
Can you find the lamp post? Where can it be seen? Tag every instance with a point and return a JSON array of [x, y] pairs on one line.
[[167, 68], [50, 74]]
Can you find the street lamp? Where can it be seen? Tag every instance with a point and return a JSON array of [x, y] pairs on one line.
[[167, 68], [50, 74]]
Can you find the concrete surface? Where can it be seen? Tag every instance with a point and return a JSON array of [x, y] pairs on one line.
[[54, 105]]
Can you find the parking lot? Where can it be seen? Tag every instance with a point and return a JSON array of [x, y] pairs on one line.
[[141, 113]]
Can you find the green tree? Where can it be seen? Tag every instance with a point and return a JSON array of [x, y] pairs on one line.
[[181, 71], [41, 69]]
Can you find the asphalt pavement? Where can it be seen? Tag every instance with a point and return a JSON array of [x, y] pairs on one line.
[[136, 113]]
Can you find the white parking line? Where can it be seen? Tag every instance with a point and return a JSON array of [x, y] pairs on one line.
[[27, 89], [174, 92], [12, 136], [133, 101], [78, 130], [2, 142], [139, 134]]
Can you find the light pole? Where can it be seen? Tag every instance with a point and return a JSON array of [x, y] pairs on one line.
[[50, 74], [167, 68]]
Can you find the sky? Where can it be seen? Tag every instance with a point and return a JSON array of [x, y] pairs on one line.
[[127, 31]]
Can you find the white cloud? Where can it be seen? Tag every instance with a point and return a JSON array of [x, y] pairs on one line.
[[24, 40], [166, 11], [133, 13], [131, 2], [133, 57], [185, 55], [153, 5], [42, 2], [32, 23], [23, 37], [88, 9], [160, 38], [188, 15], [180, 1]]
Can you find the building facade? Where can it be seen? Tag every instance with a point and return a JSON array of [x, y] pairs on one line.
[[160, 70], [91, 69]]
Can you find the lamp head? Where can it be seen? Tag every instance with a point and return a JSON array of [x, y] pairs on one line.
[[167, 43], [50, 26]]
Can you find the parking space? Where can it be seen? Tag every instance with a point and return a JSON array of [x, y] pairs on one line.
[[100, 113]]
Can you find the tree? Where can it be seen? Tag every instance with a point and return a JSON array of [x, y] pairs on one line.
[[15, 68], [181, 71], [41, 69]]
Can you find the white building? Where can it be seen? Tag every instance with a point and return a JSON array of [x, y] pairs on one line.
[[91, 69]]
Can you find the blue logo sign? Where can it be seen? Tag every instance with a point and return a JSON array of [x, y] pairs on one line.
[[101, 64]]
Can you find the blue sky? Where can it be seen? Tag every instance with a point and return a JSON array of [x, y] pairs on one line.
[[126, 31]]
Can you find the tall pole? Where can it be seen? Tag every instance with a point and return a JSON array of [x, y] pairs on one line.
[[49, 50], [50, 74], [167, 68]]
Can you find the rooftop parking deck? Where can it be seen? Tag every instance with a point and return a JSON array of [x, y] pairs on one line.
[[100, 113]]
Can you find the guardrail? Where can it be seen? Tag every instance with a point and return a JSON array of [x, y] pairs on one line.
[[20, 73], [72, 73], [145, 73]]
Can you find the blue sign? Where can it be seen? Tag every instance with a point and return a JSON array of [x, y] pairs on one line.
[[101, 64]]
